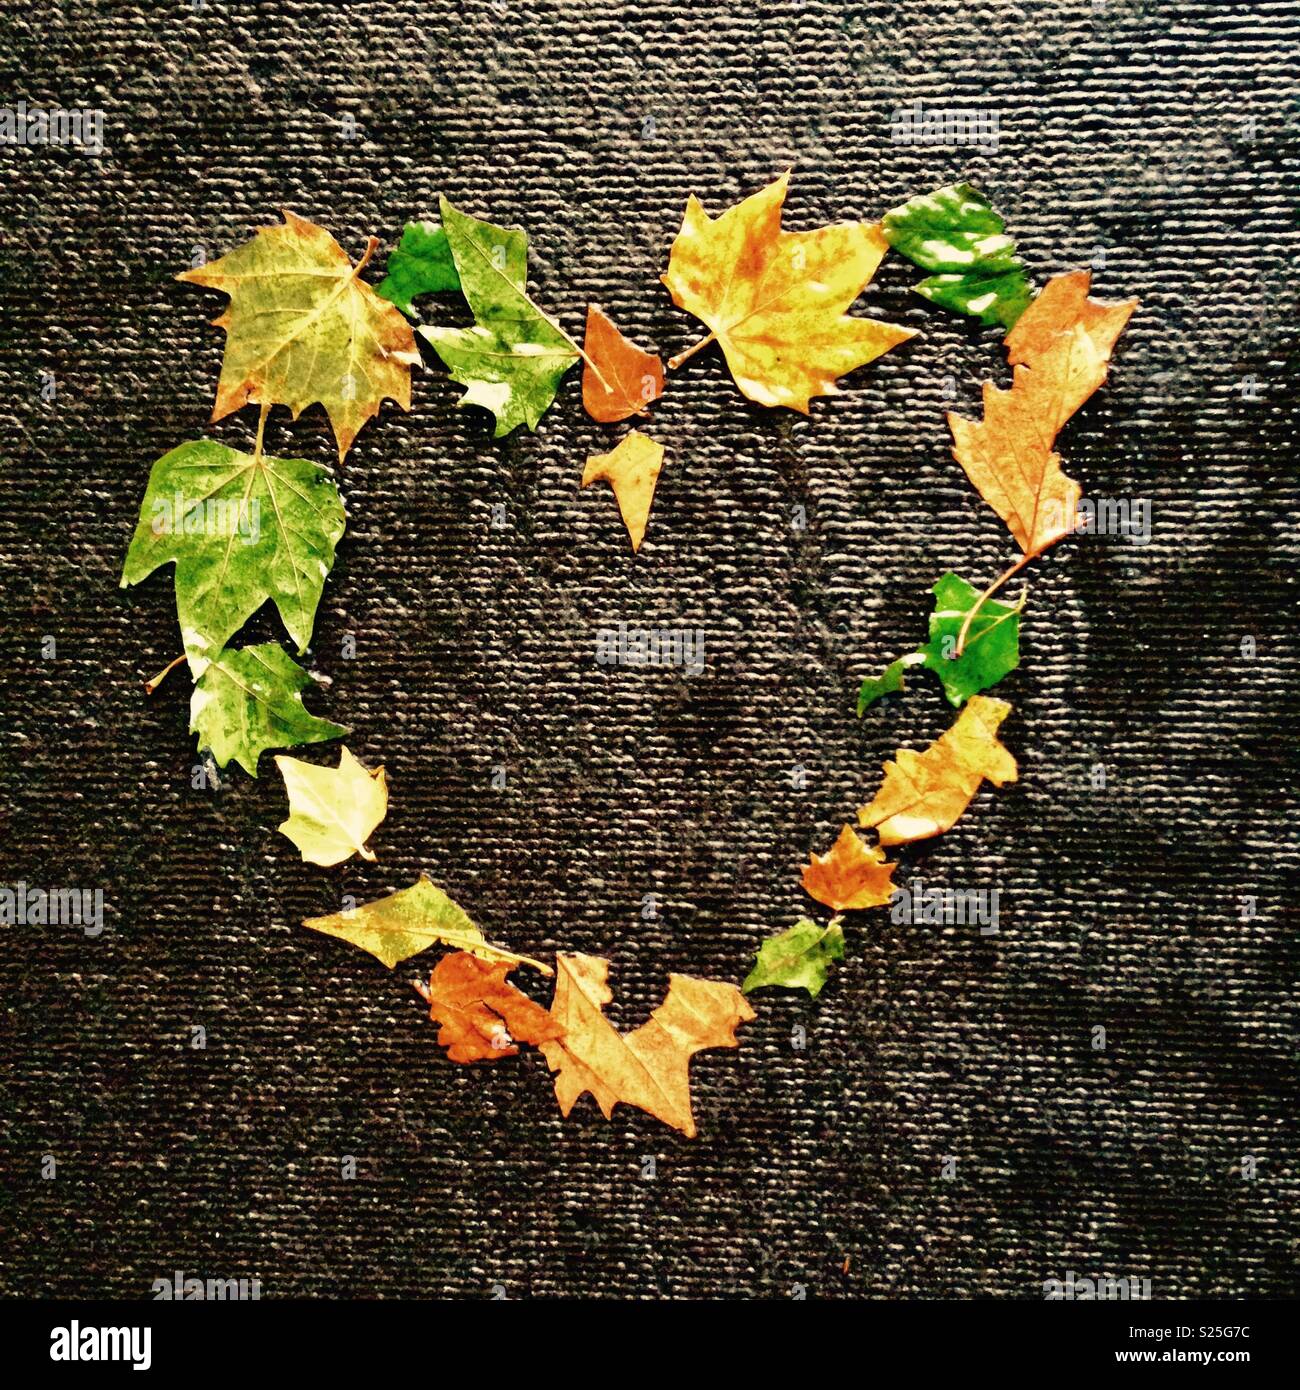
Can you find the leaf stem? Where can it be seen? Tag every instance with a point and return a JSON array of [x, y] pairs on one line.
[[372, 245], [675, 362], [151, 686], [261, 428], [986, 595]]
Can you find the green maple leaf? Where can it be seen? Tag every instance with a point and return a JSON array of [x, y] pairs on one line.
[[410, 921], [421, 264], [248, 700], [512, 360], [992, 642], [798, 958], [956, 232], [241, 529]]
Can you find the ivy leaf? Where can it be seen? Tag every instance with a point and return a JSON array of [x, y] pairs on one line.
[[956, 232], [798, 958], [482, 1016], [992, 647], [632, 469], [775, 301], [303, 327], [924, 794], [512, 360], [888, 682], [248, 700], [630, 378], [332, 810], [410, 921], [850, 875], [421, 264], [648, 1067], [241, 529]]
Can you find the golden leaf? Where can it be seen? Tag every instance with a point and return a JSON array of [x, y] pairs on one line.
[[924, 794], [1058, 349], [619, 379], [303, 327], [649, 1067], [332, 810], [632, 470], [775, 301], [482, 1016], [850, 875]]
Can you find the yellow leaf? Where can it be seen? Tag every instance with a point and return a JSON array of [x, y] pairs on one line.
[[924, 794], [774, 301], [332, 810], [410, 921], [850, 875], [1058, 349], [302, 326], [632, 470], [649, 1067]]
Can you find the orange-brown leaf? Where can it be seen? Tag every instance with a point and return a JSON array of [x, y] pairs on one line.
[[632, 469], [851, 875], [632, 378], [924, 794], [1058, 350], [649, 1067], [482, 1016]]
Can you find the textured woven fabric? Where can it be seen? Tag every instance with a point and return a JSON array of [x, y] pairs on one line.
[[1154, 142]]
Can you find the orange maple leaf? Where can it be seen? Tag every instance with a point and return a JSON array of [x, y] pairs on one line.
[[1058, 351], [632, 469], [924, 794], [775, 301], [632, 378], [649, 1067], [850, 875], [481, 1015]]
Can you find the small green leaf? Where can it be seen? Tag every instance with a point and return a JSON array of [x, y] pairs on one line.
[[241, 529], [421, 264], [513, 358], [798, 958], [992, 644], [888, 682], [956, 232], [249, 700]]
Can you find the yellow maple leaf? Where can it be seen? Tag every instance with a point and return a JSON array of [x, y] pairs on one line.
[[850, 875], [303, 327], [649, 1067], [924, 794], [632, 469], [1058, 350], [332, 810], [775, 301]]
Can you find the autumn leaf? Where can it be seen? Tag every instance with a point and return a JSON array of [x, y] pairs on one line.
[[241, 529], [798, 958], [1059, 349], [514, 356], [850, 875], [775, 301], [482, 1016], [248, 700], [332, 810], [632, 470], [420, 264], [955, 232], [303, 327], [924, 794], [649, 1067], [410, 921], [631, 378]]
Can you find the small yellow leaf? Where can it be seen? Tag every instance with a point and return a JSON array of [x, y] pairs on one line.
[[333, 810], [632, 470]]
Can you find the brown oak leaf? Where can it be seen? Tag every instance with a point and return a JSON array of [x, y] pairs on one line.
[[482, 1016]]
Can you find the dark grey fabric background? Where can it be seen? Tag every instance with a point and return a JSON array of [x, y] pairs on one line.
[[1162, 134]]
